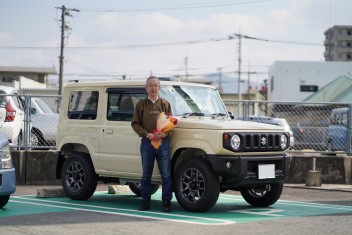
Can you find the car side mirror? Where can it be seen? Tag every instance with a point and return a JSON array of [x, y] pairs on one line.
[[231, 114], [33, 111]]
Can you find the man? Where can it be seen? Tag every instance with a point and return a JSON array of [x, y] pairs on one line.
[[143, 123]]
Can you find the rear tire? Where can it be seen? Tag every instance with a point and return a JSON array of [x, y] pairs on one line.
[[262, 195], [78, 177], [136, 188]]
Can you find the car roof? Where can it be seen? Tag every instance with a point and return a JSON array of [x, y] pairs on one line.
[[122, 83], [9, 90]]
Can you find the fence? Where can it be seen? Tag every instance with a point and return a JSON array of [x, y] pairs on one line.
[[31, 121], [322, 127]]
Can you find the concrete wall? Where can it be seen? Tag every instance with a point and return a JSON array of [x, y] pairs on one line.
[[35, 167], [39, 168]]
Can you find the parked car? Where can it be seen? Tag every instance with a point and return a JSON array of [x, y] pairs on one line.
[[44, 122], [7, 170], [2, 110], [210, 152], [14, 122], [273, 121], [338, 130], [13, 127]]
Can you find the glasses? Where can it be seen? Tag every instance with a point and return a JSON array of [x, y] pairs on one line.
[[153, 85]]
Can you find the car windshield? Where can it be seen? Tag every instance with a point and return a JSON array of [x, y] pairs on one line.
[[43, 106], [194, 101]]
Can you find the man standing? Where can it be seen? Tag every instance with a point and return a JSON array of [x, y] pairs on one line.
[[143, 123]]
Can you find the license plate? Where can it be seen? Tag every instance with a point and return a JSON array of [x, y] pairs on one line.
[[266, 171]]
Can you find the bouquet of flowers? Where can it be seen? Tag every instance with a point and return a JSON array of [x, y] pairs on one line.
[[165, 123]]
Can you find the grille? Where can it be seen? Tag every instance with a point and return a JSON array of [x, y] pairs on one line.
[[261, 142]]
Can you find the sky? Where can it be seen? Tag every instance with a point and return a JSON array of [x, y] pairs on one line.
[[186, 38]]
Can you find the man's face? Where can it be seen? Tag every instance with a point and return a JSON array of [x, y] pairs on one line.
[[152, 87]]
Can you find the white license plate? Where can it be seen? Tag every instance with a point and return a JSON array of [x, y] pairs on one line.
[[266, 171]]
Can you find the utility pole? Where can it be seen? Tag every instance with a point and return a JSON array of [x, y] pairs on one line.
[[239, 66], [240, 36], [64, 12]]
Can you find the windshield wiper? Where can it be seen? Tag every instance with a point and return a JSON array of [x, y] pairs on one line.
[[218, 114], [193, 114]]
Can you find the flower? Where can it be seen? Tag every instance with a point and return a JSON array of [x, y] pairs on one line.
[[165, 123]]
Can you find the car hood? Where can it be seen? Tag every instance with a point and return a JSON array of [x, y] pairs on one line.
[[224, 124]]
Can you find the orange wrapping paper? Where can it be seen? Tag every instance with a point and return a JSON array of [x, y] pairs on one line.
[[164, 124]]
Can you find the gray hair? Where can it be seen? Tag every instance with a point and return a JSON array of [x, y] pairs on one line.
[[152, 77]]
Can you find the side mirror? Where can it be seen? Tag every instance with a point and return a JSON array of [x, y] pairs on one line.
[[231, 115], [33, 111]]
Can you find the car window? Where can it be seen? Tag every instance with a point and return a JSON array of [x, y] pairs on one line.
[[121, 104], [83, 105], [43, 106]]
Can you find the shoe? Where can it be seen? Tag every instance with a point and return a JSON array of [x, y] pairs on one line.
[[167, 207], [145, 206]]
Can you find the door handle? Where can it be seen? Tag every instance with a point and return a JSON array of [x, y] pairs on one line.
[[108, 131]]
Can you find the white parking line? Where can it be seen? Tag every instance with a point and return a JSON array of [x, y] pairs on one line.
[[135, 213]]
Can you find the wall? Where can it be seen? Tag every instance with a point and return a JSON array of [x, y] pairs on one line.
[[39, 168]]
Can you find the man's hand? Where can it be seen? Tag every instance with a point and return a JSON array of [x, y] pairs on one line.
[[159, 135]]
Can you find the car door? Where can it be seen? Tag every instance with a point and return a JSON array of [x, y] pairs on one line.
[[119, 144]]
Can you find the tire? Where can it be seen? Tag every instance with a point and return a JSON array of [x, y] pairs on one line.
[[3, 200], [78, 177], [262, 195], [196, 186], [136, 188], [35, 139], [39, 136]]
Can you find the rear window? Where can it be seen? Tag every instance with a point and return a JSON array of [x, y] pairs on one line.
[[83, 105]]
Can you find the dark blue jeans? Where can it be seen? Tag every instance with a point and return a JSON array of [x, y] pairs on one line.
[[162, 156]]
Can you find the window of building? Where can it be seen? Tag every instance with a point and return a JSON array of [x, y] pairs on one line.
[[349, 32], [348, 57], [309, 88]]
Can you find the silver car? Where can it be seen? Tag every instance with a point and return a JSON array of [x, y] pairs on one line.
[[44, 123]]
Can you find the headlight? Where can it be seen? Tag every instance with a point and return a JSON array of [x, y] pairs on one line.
[[283, 141], [6, 161], [235, 142]]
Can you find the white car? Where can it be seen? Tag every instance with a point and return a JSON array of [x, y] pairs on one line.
[[2, 110], [14, 121], [44, 123]]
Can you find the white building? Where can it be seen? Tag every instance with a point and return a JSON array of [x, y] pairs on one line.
[[294, 81]]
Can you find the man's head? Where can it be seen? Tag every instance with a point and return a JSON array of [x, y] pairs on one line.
[[152, 86]]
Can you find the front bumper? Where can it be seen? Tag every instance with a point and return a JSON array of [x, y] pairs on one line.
[[7, 181], [243, 170]]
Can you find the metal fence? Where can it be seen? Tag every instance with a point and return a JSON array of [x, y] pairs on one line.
[[322, 127], [31, 121]]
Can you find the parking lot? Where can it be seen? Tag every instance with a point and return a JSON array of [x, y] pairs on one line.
[[104, 211]]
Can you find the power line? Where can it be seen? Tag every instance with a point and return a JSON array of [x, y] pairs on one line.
[[175, 7], [163, 44]]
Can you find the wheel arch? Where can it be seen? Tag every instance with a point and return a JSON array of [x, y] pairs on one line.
[[186, 154], [67, 150]]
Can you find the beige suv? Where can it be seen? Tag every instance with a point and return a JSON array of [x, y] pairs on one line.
[[210, 152]]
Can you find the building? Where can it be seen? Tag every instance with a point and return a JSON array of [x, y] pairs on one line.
[[294, 81], [338, 43], [28, 78]]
